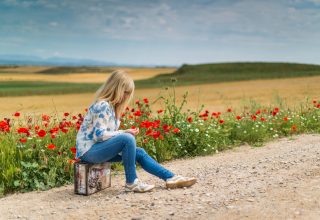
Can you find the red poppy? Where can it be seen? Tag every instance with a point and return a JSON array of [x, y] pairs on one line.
[[258, 112], [146, 124], [229, 110], [54, 130], [137, 113], [156, 134], [45, 117], [216, 114], [221, 121], [176, 130], [64, 130], [146, 100], [159, 111], [66, 114], [17, 114], [294, 128], [145, 140], [166, 128], [253, 117], [23, 131], [238, 117], [204, 114], [73, 149], [51, 146], [4, 126], [149, 132], [78, 126], [42, 133], [262, 119], [23, 140], [275, 111], [285, 119]]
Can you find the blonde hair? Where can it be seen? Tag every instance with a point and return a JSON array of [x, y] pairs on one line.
[[113, 91]]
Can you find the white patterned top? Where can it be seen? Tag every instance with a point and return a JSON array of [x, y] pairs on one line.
[[99, 124]]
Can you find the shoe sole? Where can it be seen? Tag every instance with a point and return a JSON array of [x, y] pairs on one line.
[[181, 184], [130, 190]]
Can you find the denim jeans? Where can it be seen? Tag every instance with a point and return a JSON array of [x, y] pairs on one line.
[[107, 151]]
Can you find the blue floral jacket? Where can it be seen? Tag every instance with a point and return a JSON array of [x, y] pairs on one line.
[[99, 124]]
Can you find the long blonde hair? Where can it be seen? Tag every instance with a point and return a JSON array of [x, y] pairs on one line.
[[113, 90]]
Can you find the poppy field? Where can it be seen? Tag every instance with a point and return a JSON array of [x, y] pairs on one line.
[[37, 152]]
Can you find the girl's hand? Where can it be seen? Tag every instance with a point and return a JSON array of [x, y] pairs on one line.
[[134, 132]]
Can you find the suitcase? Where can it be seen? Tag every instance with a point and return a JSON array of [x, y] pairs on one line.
[[91, 178]]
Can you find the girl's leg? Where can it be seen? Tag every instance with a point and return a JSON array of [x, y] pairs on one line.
[[109, 149], [152, 166], [148, 164]]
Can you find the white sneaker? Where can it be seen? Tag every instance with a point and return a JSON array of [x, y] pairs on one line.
[[138, 186], [178, 181]]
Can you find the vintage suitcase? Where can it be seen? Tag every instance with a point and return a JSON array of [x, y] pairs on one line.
[[91, 178]]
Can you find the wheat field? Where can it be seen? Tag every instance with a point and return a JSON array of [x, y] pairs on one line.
[[215, 96], [31, 74]]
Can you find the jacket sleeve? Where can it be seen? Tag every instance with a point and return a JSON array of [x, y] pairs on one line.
[[103, 122]]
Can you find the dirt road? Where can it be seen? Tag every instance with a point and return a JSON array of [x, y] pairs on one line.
[[280, 180]]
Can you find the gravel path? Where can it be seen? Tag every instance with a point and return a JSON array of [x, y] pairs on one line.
[[280, 180]]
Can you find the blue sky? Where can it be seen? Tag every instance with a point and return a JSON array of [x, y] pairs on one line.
[[163, 32]]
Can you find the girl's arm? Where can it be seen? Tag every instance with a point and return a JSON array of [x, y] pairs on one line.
[[103, 120]]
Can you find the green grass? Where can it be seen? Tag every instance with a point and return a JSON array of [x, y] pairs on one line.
[[185, 75], [81, 69], [27, 88], [226, 72]]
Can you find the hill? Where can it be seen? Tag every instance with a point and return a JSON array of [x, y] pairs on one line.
[[185, 75], [224, 72]]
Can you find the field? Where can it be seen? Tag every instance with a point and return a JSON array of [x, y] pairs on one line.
[[65, 80], [74, 74], [216, 97], [38, 132]]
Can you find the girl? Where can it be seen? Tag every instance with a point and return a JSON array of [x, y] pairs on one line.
[[98, 139]]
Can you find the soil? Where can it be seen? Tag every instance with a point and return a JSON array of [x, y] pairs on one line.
[[280, 180]]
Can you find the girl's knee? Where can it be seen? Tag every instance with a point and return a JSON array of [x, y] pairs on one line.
[[141, 150], [127, 138]]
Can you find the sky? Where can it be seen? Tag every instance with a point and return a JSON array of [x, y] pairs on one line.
[[163, 32]]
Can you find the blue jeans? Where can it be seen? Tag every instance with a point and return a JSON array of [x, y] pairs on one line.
[[107, 151]]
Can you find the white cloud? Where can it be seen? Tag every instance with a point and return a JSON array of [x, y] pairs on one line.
[[53, 23]]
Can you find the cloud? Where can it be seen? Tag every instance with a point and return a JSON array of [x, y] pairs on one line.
[[173, 25], [53, 23]]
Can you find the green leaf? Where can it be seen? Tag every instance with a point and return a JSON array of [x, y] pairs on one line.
[[16, 183]]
